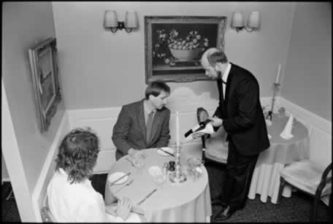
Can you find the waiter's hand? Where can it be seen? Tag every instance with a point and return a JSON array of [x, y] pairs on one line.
[[198, 135], [216, 121]]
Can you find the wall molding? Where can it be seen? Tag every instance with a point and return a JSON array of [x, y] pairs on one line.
[[306, 116], [47, 171]]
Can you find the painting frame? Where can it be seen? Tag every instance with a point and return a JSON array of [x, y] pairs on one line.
[[44, 71], [174, 45]]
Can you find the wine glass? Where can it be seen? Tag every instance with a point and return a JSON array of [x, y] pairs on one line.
[[158, 175], [194, 169], [138, 160]]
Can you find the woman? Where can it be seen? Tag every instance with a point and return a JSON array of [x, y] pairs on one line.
[[71, 197]]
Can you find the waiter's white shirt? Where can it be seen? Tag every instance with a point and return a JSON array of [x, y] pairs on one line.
[[78, 202]]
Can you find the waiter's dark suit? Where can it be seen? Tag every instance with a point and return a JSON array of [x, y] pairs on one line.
[[244, 122]]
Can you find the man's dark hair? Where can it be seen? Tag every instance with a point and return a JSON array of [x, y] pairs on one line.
[[155, 88], [78, 154]]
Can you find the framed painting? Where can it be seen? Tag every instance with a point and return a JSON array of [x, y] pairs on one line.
[[44, 70], [174, 45]]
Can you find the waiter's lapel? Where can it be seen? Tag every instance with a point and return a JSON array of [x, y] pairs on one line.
[[229, 82], [220, 89]]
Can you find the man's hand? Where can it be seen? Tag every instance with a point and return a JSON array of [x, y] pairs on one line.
[[216, 122], [124, 208]]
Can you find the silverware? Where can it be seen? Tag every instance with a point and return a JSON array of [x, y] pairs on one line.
[[166, 152], [147, 196], [129, 183], [127, 174]]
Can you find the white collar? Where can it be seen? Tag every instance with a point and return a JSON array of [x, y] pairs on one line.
[[147, 108], [226, 72]]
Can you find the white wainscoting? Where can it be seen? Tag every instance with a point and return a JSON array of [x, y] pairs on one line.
[[320, 131], [102, 121]]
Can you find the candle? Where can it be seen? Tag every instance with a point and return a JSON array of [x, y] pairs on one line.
[[177, 129], [278, 74]]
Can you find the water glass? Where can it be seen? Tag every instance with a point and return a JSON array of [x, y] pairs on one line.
[[194, 167], [159, 179]]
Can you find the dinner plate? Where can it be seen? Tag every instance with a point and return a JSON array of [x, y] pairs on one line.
[[167, 149], [113, 177]]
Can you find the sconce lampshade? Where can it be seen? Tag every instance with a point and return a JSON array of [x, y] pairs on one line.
[[237, 20], [254, 20], [131, 20], [110, 19]]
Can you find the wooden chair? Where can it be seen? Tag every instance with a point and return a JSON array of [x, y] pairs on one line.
[[308, 177], [46, 213], [214, 146]]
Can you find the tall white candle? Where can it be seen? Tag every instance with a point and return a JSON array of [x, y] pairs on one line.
[[277, 80], [177, 129]]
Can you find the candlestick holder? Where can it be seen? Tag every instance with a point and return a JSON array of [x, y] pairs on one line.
[[276, 87], [178, 176]]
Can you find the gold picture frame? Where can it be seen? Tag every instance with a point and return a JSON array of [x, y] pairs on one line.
[[44, 71], [174, 45]]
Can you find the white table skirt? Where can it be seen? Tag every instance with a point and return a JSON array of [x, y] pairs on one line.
[[266, 176], [266, 182]]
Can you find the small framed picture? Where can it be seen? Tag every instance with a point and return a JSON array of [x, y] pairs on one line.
[[174, 45], [44, 70]]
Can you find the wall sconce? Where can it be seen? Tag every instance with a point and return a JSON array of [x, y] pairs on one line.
[[111, 21], [253, 22]]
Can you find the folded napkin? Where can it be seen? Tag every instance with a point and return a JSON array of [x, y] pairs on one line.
[[286, 133]]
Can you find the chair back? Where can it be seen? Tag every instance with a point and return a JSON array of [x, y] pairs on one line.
[[215, 147], [46, 213], [325, 185]]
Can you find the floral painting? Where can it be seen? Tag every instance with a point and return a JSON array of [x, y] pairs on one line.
[[174, 46], [44, 71]]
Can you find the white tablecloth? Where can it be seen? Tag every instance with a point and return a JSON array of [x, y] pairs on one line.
[[266, 177], [185, 202]]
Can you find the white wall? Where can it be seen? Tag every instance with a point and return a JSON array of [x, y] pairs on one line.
[[103, 69], [308, 79], [23, 25]]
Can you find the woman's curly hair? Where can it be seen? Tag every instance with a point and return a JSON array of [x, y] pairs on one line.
[[78, 154]]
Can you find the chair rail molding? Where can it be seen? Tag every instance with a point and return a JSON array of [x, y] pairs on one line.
[[320, 131]]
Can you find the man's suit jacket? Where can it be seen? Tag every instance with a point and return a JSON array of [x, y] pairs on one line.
[[242, 115], [130, 129]]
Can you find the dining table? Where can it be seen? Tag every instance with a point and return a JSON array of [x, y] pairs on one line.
[[187, 201], [266, 176]]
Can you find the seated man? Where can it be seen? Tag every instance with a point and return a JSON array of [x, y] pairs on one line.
[[145, 123], [71, 197]]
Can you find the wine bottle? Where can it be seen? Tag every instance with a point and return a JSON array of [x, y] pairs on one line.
[[198, 127]]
